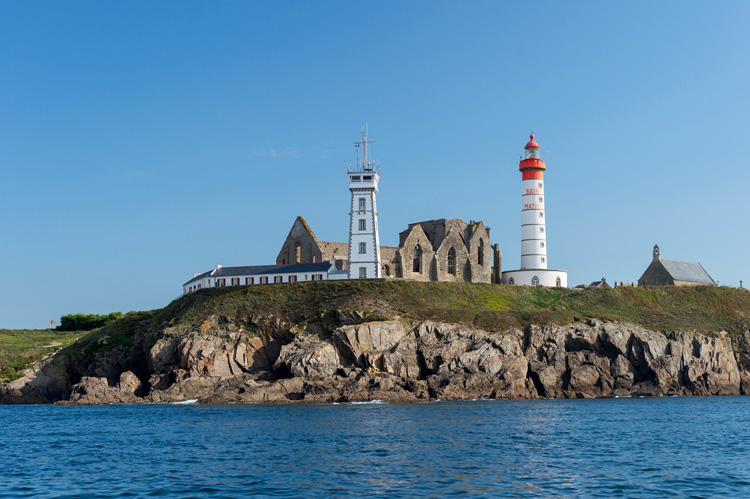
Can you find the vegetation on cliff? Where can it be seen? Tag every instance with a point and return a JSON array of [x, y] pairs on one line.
[[86, 322], [488, 307], [484, 306], [20, 348]]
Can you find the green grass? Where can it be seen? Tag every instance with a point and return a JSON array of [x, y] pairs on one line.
[[495, 308], [484, 306], [20, 348]]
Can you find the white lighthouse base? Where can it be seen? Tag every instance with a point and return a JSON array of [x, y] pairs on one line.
[[544, 277]]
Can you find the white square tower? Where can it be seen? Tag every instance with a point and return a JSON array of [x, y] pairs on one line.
[[364, 241]]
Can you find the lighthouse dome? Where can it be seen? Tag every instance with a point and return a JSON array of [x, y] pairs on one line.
[[532, 143]]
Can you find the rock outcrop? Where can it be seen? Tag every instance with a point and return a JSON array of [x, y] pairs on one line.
[[264, 360]]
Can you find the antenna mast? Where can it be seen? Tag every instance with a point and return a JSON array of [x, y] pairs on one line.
[[365, 163]]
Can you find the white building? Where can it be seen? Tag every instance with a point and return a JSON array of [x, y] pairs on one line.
[[364, 241], [534, 271], [220, 277]]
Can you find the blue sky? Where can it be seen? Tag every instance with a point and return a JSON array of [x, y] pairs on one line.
[[141, 142]]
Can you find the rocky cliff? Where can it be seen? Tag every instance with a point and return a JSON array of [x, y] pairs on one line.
[[247, 358]]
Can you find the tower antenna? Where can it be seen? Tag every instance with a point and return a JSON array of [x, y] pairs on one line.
[[366, 166]]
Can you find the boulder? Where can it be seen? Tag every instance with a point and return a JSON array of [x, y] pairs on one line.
[[91, 390]]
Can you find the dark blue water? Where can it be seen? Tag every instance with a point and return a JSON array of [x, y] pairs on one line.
[[665, 447]]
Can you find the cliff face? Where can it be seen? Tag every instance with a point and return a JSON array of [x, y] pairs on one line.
[[242, 359]]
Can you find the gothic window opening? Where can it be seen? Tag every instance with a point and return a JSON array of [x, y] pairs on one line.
[[417, 259], [535, 281], [558, 282], [452, 261], [480, 253], [296, 253]]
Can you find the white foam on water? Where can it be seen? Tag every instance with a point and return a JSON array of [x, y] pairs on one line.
[[191, 401], [369, 402]]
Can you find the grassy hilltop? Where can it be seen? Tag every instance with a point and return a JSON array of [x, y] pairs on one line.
[[483, 306], [20, 348]]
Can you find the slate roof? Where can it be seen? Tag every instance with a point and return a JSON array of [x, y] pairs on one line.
[[687, 271], [263, 269]]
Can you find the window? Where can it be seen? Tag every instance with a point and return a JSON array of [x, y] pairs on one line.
[[292, 278], [355, 178], [452, 261], [539, 185], [480, 253], [362, 224], [541, 244], [535, 281], [362, 248], [297, 252], [264, 280], [542, 259], [511, 281], [320, 277], [541, 214], [199, 286], [541, 199], [367, 177], [361, 204], [417, 259], [558, 282], [278, 278], [541, 230], [221, 283], [249, 280], [363, 272]]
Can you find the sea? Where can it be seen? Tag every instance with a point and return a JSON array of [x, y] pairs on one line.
[[631, 447]]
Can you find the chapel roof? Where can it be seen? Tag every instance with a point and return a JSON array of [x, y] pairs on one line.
[[687, 271]]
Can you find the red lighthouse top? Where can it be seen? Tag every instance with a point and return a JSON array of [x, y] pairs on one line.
[[532, 166]]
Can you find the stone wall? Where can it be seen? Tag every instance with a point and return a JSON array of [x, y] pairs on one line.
[[656, 275], [300, 246], [445, 250]]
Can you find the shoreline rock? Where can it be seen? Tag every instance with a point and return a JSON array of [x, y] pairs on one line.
[[263, 360]]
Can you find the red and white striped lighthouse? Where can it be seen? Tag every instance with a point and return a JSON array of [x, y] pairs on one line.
[[533, 236], [533, 270]]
